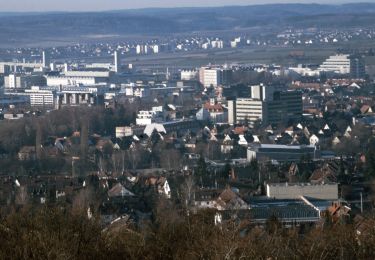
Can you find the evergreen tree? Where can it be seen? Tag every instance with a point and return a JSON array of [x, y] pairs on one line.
[[226, 171], [202, 167]]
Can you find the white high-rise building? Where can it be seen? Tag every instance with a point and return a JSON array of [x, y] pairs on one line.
[[155, 48], [262, 92], [46, 61], [339, 64], [41, 97], [245, 109], [189, 74], [117, 62], [232, 112], [210, 76]]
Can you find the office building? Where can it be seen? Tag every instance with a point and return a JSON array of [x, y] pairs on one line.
[[210, 76], [99, 74], [266, 105], [215, 76], [339, 64], [70, 81], [45, 59], [40, 97], [73, 78], [232, 112], [245, 110], [189, 75], [344, 64], [226, 76], [354, 65], [357, 67], [262, 92], [14, 67], [123, 131], [22, 81], [268, 152], [99, 66], [117, 62], [145, 117], [284, 106], [288, 212], [53, 96]]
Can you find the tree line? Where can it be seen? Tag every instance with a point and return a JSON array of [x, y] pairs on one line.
[[57, 233]]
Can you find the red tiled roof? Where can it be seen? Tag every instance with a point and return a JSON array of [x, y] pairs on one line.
[[214, 108]]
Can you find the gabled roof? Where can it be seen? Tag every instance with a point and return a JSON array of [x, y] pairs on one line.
[[269, 129], [366, 109], [336, 140], [151, 127], [214, 107], [355, 85], [119, 191], [227, 139], [293, 169], [213, 138], [324, 174], [363, 225], [229, 200], [326, 127], [242, 140], [256, 139]]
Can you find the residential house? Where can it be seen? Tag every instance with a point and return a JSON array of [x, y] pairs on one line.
[[119, 191], [160, 184], [227, 145], [27, 153], [225, 200], [366, 109], [314, 140], [213, 111], [325, 174]]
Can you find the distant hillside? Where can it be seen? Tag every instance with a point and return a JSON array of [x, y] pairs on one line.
[[35, 27]]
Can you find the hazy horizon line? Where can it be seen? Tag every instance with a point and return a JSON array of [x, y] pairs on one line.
[[338, 3]]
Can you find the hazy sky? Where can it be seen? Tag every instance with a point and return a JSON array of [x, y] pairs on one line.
[[94, 5]]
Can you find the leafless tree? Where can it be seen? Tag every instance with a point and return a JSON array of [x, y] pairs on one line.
[[21, 196], [118, 162], [170, 159], [38, 140], [187, 190]]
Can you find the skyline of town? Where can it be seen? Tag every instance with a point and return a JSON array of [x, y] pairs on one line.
[[242, 132], [97, 5]]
